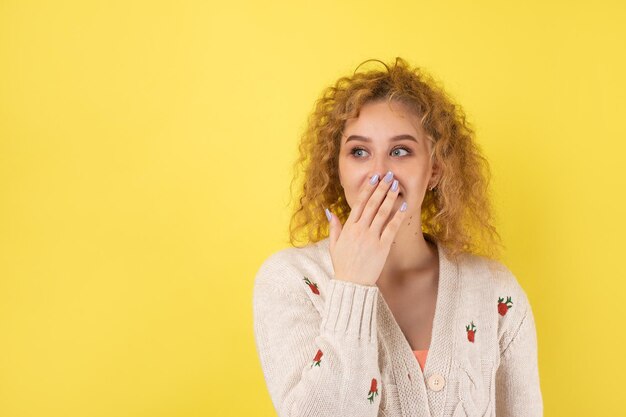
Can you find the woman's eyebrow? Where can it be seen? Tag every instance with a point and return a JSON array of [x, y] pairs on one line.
[[394, 138]]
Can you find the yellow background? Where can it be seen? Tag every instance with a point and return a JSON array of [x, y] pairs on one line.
[[145, 156]]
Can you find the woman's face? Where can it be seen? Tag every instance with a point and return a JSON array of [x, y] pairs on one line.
[[385, 139]]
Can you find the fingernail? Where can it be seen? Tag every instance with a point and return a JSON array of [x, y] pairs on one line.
[[374, 179], [403, 206], [394, 186], [389, 176], [328, 215]]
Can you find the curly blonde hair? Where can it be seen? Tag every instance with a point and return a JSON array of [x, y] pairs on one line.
[[457, 213]]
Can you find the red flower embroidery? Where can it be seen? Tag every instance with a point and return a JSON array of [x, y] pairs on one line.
[[471, 331], [317, 359], [312, 286], [373, 391], [503, 306]]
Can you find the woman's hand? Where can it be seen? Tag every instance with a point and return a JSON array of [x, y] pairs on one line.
[[359, 249]]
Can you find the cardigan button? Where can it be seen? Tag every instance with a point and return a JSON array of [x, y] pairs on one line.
[[436, 382]]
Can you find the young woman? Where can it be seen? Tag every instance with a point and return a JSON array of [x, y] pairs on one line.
[[396, 305]]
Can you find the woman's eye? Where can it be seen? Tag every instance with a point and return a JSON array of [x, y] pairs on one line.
[[402, 149], [355, 150]]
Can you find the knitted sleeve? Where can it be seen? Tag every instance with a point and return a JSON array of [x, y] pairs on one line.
[[518, 392], [317, 364]]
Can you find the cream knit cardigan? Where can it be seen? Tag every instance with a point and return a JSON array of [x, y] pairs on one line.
[[333, 348]]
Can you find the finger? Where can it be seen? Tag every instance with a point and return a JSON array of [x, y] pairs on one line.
[[335, 228], [364, 194], [375, 200], [386, 209], [389, 233]]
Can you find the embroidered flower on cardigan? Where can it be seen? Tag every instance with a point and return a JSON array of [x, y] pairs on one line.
[[471, 331], [312, 286], [503, 306], [373, 391], [317, 359]]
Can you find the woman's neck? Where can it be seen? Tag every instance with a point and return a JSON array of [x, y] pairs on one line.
[[411, 255]]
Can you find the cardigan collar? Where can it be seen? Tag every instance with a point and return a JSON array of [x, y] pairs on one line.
[[408, 375]]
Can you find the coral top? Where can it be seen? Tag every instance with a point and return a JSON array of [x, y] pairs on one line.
[[420, 355]]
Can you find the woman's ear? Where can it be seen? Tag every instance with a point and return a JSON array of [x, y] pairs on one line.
[[435, 171], [435, 175]]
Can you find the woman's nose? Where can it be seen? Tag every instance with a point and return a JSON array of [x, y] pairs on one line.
[[382, 170], [383, 174]]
